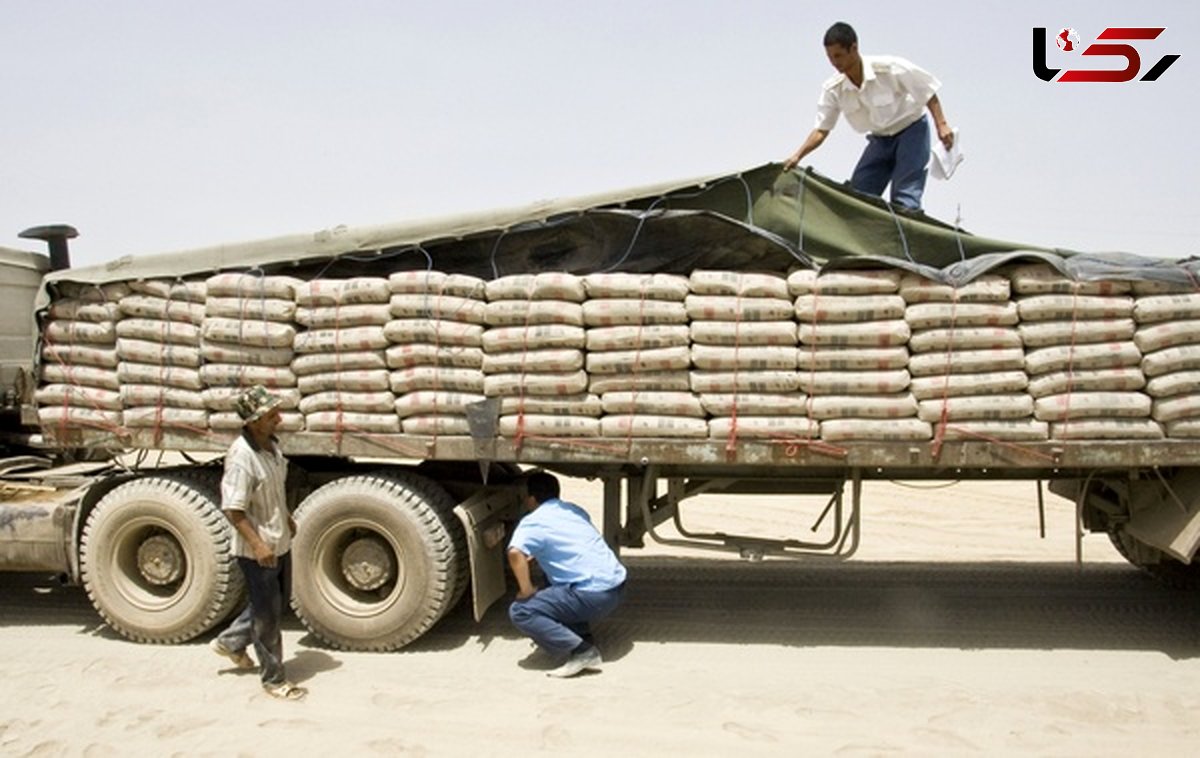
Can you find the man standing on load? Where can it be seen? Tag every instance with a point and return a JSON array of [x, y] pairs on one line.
[[885, 97]]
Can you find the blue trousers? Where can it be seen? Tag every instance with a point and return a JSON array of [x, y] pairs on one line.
[[900, 160], [558, 617], [267, 587]]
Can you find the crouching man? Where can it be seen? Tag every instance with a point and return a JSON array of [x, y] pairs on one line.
[[586, 580]]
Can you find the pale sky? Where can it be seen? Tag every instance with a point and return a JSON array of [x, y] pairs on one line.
[[161, 126]]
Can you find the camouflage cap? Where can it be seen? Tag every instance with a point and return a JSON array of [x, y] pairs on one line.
[[255, 403]]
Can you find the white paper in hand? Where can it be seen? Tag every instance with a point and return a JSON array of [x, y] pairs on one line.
[[943, 162]]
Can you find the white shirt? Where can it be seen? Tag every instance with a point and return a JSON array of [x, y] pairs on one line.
[[893, 96], [254, 482]]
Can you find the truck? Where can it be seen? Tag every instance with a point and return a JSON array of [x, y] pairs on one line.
[[401, 512]]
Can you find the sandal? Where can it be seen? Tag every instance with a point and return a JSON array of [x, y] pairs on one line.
[[240, 658], [285, 691]]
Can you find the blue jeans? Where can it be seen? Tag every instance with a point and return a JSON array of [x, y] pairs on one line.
[[900, 159], [558, 617], [267, 587]]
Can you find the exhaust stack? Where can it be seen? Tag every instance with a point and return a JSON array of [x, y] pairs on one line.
[[55, 236]]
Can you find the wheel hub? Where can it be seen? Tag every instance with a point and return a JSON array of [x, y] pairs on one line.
[[367, 563], [160, 560]]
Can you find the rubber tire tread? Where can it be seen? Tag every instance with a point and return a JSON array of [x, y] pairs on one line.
[[1168, 571]]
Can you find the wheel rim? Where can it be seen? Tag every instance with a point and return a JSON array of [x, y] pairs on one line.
[[357, 568], [149, 566]]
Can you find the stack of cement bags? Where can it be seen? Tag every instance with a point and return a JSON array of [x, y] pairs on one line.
[[853, 356], [246, 339], [967, 361], [1082, 362], [744, 356], [158, 344], [339, 363], [79, 359], [1168, 334], [435, 354]]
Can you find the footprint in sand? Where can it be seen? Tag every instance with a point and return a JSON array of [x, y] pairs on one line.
[[749, 733]]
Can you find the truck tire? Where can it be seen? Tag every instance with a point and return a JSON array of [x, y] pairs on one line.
[[1173, 573], [376, 561], [157, 561]]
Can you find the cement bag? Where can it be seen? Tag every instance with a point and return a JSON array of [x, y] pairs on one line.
[[352, 423], [582, 404], [145, 306], [1175, 408], [661, 381], [1147, 338], [1043, 333], [231, 422], [854, 382], [320, 363], [1041, 279], [220, 352], [133, 395], [652, 403], [51, 417], [434, 332], [509, 338], [224, 399], [1074, 307], [241, 375], [851, 358], [352, 339], [989, 288], [967, 338], [764, 427], [977, 408], [417, 378], [192, 292], [425, 403], [938, 315], [445, 307], [966, 362], [88, 376], [901, 405], [503, 385], [250, 308], [637, 337], [748, 358], [636, 361], [544, 286], [1107, 429], [1175, 383], [73, 309], [1008, 430], [725, 308], [549, 426], [652, 426], [869, 334], [723, 382], [355, 402], [171, 376], [93, 293], [80, 332], [738, 284], [435, 425], [954, 385], [84, 397], [883, 430], [618, 312], [83, 355], [251, 285], [374, 380], [1076, 405], [339, 316], [636, 286], [1092, 356], [530, 312], [848, 308], [1180, 358], [157, 354], [1095, 380], [257, 333], [533, 360], [418, 354], [1184, 428], [358, 290], [729, 333], [755, 404], [805, 281], [151, 417], [437, 283], [156, 330]]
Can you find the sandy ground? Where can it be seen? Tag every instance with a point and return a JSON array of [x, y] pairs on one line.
[[954, 630]]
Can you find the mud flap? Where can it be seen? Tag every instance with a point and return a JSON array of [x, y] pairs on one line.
[[1166, 515], [483, 516]]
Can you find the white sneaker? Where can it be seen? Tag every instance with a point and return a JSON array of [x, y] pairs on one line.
[[577, 663]]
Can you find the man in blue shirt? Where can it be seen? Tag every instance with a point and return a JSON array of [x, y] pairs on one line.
[[586, 580]]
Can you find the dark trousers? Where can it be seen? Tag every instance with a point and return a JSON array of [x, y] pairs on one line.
[[268, 587], [558, 617], [900, 160]]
